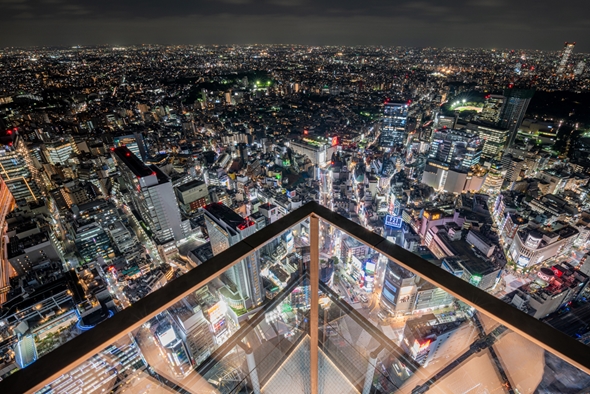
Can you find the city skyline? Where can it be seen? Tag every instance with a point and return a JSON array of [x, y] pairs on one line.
[[484, 23]]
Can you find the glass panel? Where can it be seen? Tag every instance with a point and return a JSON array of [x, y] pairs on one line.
[[218, 338], [433, 342]]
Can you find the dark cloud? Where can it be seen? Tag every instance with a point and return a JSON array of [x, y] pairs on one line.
[[487, 23]]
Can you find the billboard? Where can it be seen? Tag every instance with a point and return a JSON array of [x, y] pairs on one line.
[[393, 221]]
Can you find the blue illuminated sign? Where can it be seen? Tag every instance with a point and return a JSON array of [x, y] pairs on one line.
[[393, 221]]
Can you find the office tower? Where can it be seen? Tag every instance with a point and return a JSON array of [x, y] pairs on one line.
[[513, 111], [58, 152], [393, 130], [91, 241], [226, 228], [494, 139], [457, 149], [134, 142], [568, 48], [14, 169], [152, 196], [492, 108]]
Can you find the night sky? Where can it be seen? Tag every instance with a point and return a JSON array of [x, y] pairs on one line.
[[534, 24]]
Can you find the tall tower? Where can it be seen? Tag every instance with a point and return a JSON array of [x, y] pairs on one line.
[[226, 228], [513, 111], [152, 196], [568, 48], [14, 167], [393, 130]]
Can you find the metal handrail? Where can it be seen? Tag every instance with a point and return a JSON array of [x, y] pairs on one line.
[[84, 346]]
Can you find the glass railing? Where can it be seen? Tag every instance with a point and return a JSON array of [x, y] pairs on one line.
[[343, 311]]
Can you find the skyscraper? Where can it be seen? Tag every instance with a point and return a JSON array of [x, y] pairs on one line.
[[14, 169], [514, 109], [458, 149], [134, 142], [226, 228], [568, 48], [152, 196], [494, 139], [393, 131]]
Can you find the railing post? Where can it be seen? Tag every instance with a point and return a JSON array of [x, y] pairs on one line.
[[252, 371], [371, 370], [314, 287]]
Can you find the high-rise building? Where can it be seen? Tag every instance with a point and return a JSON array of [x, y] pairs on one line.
[[458, 149], [568, 48], [14, 169], [494, 139], [58, 152], [226, 228], [152, 196], [91, 241], [134, 142], [514, 110], [492, 108], [393, 130]]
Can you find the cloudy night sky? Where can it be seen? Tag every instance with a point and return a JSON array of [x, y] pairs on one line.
[[537, 24]]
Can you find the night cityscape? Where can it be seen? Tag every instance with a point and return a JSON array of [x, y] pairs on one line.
[[125, 169]]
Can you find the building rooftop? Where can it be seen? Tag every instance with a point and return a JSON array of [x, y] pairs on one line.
[[133, 162]]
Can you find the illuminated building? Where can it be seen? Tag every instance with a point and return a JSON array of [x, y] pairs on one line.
[[134, 142], [317, 150], [174, 349], [91, 241], [32, 251], [393, 129], [458, 149], [514, 110], [192, 195], [15, 171], [226, 228], [109, 370], [491, 109], [493, 180], [152, 196], [513, 167], [197, 334], [533, 246], [399, 290], [425, 338], [494, 139], [568, 48], [511, 224], [553, 288], [59, 152], [539, 132]]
